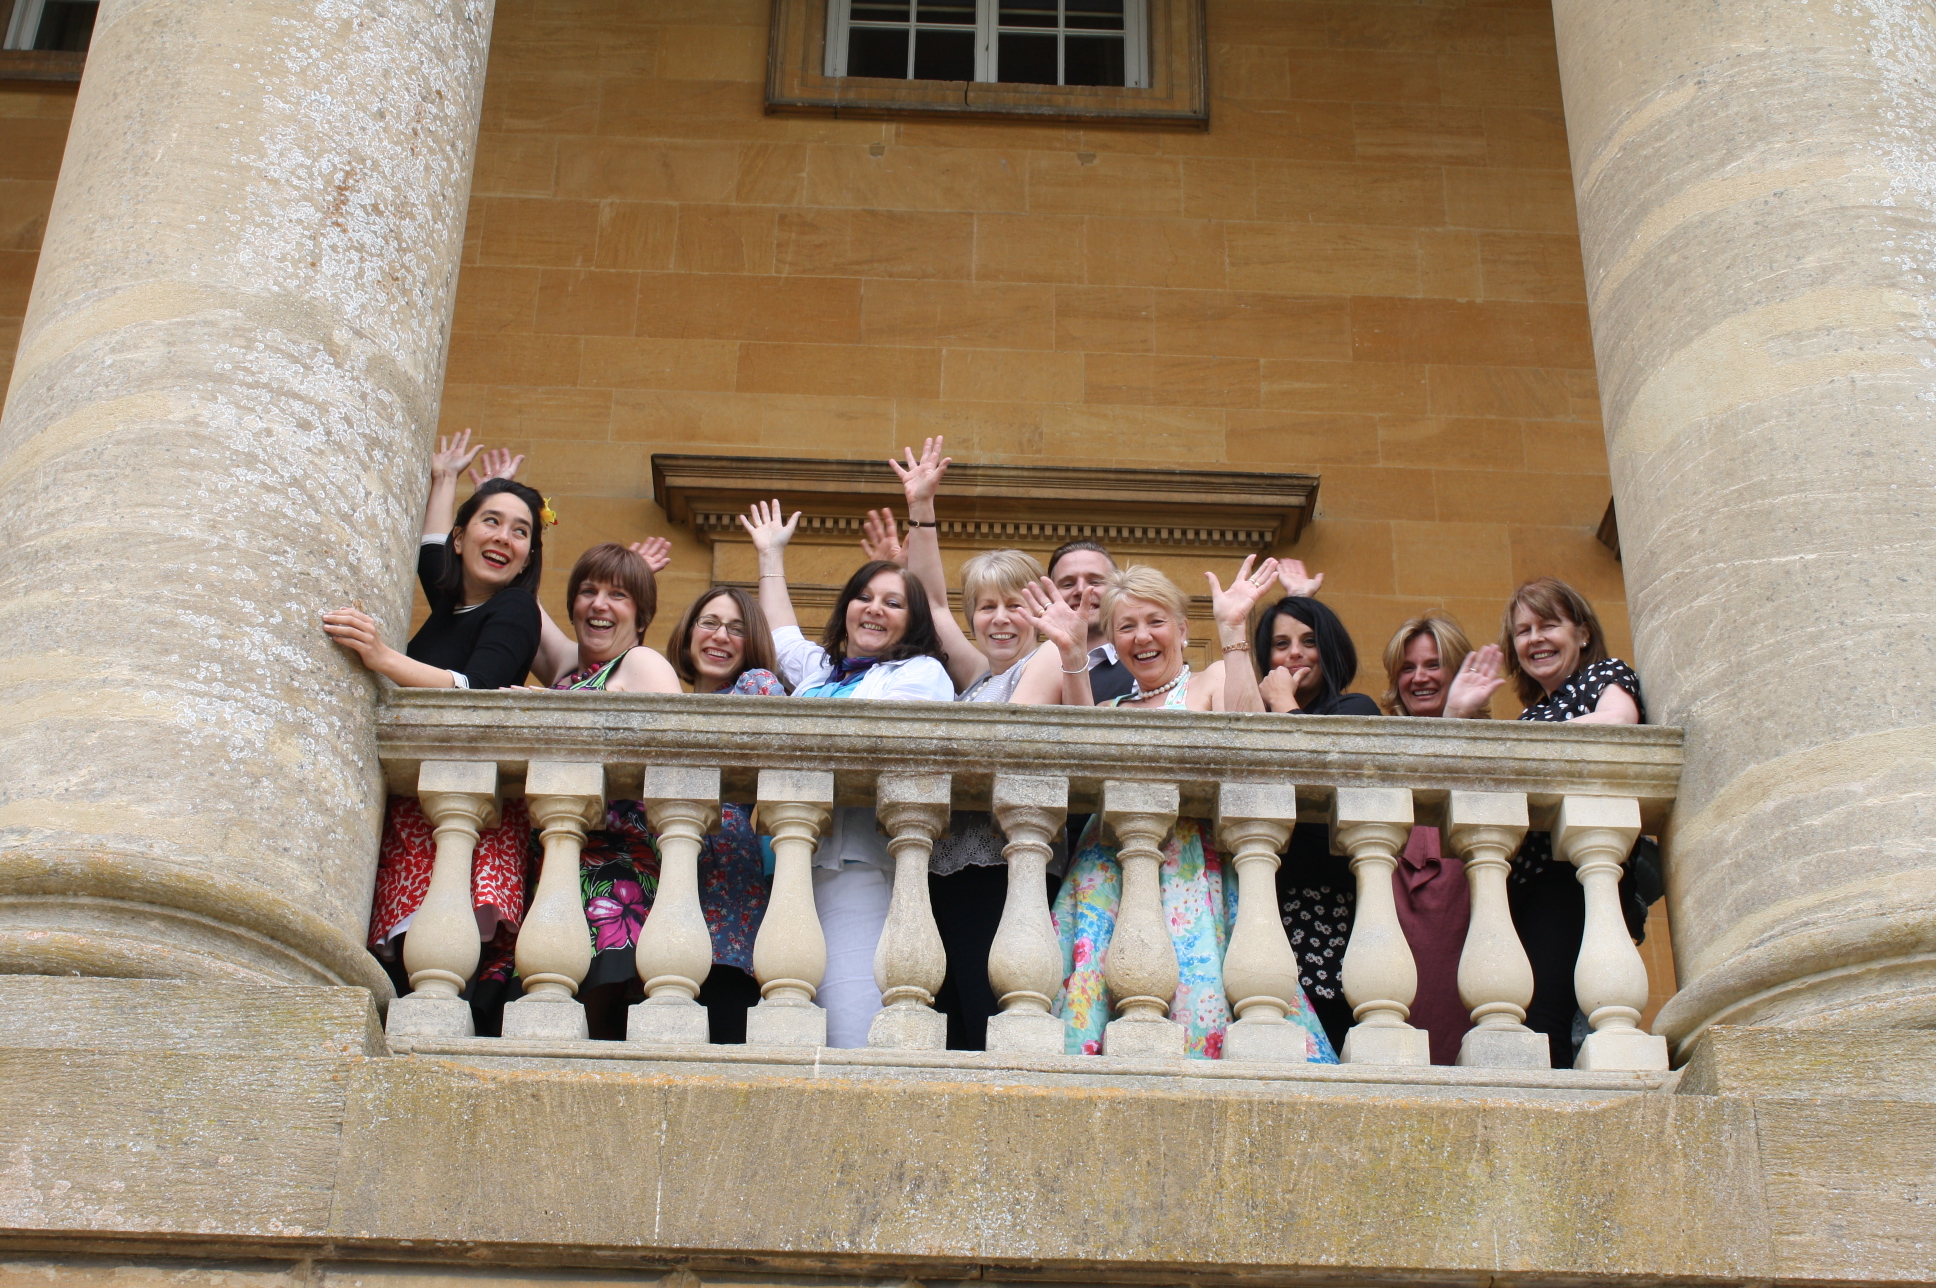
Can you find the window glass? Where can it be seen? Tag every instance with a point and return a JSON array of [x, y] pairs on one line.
[[878, 51], [1092, 60], [944, 55], [1014, 42], [1027, 59]]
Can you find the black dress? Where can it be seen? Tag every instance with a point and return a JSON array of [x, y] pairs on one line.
[[492, 644], [1317, 896], [1548, 903]]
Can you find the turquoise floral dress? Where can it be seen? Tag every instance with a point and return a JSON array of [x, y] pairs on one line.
[[1200, 906]]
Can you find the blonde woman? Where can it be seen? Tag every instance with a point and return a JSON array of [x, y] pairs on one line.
[[1144, 614], [1426, 675]]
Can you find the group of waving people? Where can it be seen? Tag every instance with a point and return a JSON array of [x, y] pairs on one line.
[[1083, 633]]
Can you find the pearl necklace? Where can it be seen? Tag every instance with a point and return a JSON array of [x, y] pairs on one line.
[[1136, 690]]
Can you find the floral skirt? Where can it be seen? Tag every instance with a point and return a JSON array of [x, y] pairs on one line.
[[499, 889], [1199, 907], [618, 875]]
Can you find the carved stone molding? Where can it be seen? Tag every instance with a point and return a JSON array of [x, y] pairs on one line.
[[998, 505]]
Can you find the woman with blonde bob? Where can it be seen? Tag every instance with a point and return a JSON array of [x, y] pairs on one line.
[[1426, 676], [1145, 615]]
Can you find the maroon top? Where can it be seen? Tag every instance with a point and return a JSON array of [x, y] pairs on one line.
[[1433, 908]]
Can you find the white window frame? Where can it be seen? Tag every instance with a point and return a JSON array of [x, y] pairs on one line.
[[1135, 41]]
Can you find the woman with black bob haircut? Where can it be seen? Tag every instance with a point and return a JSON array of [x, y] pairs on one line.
[[879, 643], [1306, 661]]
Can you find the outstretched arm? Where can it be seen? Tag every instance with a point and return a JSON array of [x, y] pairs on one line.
[[1068, 631], [920, 480], [1231, 610], [357, 631], [770, 536], [446, 463]]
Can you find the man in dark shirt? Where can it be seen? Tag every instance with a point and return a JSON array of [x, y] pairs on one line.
[[1080, 571]]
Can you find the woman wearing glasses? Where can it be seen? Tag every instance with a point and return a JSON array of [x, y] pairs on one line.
[[722, 645]]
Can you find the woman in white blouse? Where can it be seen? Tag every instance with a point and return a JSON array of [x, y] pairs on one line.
[[879, 643]]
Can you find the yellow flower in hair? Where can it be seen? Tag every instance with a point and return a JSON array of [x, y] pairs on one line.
[[548, 516]]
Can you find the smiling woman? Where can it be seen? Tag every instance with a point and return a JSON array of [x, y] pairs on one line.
[[879, 643]]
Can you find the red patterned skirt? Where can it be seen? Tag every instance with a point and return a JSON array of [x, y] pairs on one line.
[[499, 870]]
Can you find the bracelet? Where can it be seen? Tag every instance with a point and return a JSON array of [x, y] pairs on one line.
[[1081, 670], [1237, 648], [924, 523], [777, 576]]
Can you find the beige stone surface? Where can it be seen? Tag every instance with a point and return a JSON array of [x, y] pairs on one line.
[[542, 1166], [1762, 319], [216, 428]]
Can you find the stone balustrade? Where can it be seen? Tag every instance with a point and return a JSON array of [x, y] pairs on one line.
[[1253, 777]]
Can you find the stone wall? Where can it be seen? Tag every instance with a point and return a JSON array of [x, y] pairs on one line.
[[266, 1137]]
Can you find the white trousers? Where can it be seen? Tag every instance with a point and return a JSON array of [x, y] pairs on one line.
[[852, 903]]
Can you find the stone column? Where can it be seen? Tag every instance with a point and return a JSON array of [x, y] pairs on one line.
[[219, 426], [1756, 184]]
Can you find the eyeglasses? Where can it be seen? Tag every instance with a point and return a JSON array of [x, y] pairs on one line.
[[712, 626]]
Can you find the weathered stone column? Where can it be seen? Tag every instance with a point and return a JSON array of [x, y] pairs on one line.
[[1757, 200], [218, 427]]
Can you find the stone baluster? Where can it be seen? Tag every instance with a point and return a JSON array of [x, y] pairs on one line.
[[440, 952], [1595, 834], [1025, 961], [1371, 824], [790, 953], [675, 952], [910, 962], [1254, 822], [1140, 963], [1495, 979], [566, 798]]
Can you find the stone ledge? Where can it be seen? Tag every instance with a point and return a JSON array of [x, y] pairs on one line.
[[975, 741], [1117, 1073]]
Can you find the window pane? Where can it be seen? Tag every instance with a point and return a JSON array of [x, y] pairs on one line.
[[1029, 13], [944, 55], [877, 51], [880, 11], [1025, 59], [960, 13], [1093, 60], [1095, 15], [66, 25]]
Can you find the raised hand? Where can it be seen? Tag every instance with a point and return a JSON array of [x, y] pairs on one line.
[[1280, 687], [1232, 608], [762, 523], [1058, 623], [880, 537], [921, 479], [497, 463], [656, 551], [452, 455], [1479, 677], [1295, 581]]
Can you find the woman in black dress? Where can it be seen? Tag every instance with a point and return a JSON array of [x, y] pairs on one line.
[[1552, 647], [479, 569], [1306, 662]]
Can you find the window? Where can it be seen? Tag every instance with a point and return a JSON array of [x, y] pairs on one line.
[[1016, 42], [61, 25], [1117, 62]]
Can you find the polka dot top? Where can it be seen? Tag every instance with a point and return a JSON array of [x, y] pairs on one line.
[[1581, 692], [1577, 697]]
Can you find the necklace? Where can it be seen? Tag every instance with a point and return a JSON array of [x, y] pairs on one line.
[[1136, 690]]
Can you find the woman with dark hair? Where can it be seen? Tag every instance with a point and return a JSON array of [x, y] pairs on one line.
[[1305, 663], [879, 643], [721, 645], [479, 568], [1555, 652]]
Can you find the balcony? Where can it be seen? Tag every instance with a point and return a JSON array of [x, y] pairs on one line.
[[1252, 777]]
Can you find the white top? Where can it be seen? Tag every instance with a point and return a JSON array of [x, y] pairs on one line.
[[999, 688], [853, 836]]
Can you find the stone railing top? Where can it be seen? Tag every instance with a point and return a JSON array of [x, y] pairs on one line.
[[975, 741]]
